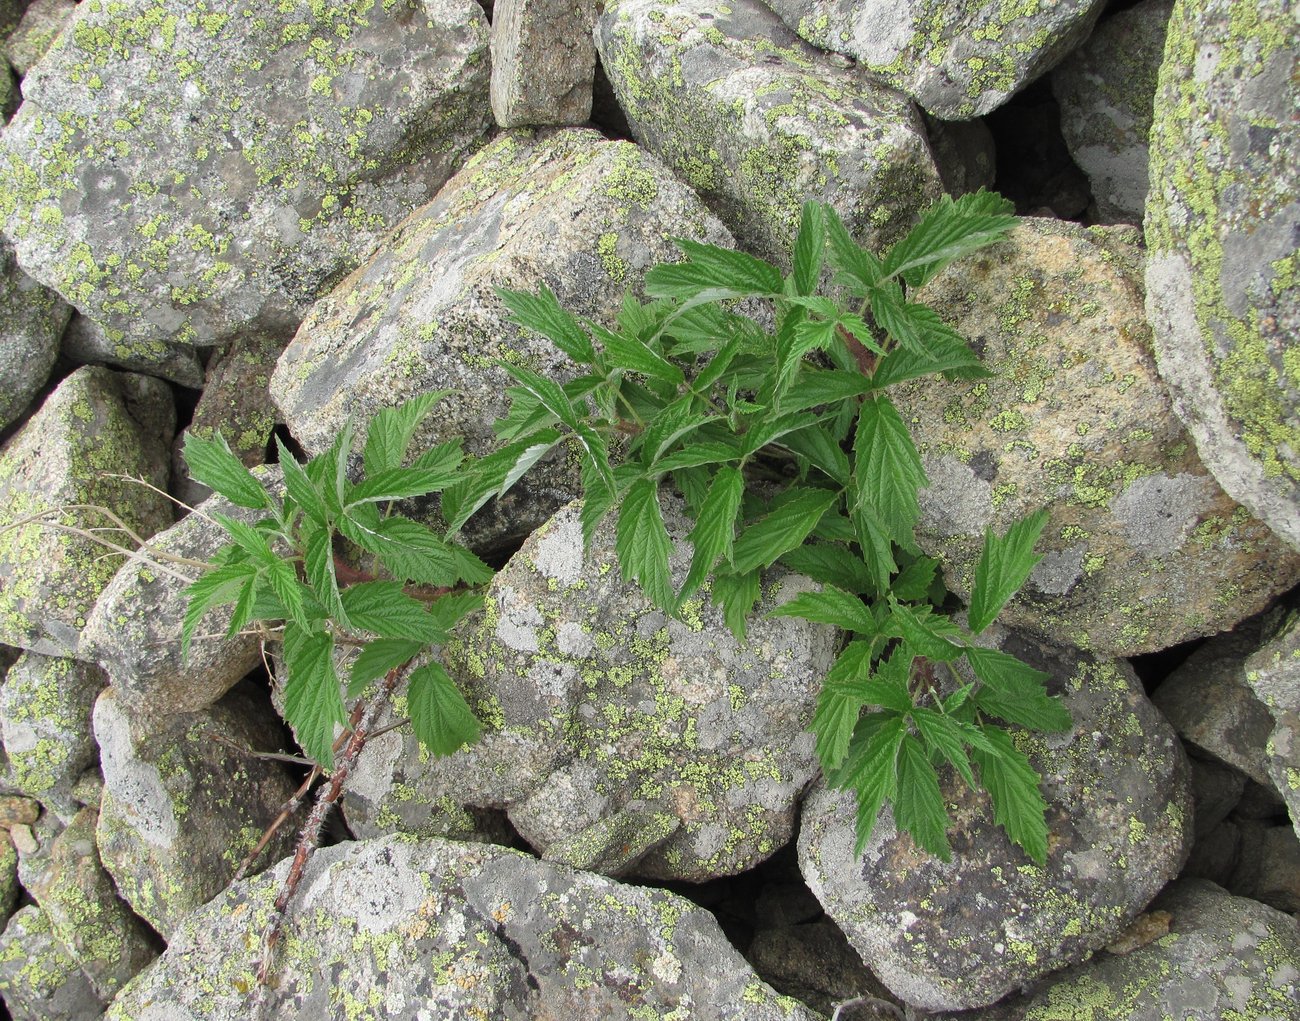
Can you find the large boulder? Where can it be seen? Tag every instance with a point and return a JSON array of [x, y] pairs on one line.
[[619, 739], [32, 319], [957, 935], [1273, 673], [183, 174], [759, 122], [957, 58], [1221, 223], [97, 427], [1142, 549], [39, 980], [441, 929]]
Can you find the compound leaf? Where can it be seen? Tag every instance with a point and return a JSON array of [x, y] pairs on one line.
[[782, 530], [948, 230], [312, 702], [809, 248], [301, 489], [1012, 783], [382, 607], [889, 470], [830, 563], [642, 542], [377, 658], [212, 463], [918, 804], [542, 313], [1015, 691], [870, 769], [221, 585], [710, 268], [389, 434], [411, 551], [715, 526], [831, 606], [440, 716]]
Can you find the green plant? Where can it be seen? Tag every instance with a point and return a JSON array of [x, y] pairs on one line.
[[764, 401]]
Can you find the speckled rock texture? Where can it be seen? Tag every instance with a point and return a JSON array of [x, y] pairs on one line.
[[96, 422], [757, 122], [39, 980], [618, 739], [181, 173], [134, 630], [45, 706], [965, 154], [1273, 673], [962, 935], [956, 59], [441, 929], [1077, 420], [1224, 958], [99, 932], [567, 209], [1221, 227], [184, 801], [86, 343], [31, 38], [543, 62], [1106, 90], [32, 319], [1207, 700]]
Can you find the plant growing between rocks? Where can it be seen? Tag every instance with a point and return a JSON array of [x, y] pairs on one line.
[[764, 402]]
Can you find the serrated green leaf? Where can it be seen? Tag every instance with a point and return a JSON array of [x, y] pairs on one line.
[[875, 545], [221, 585], [888, 470], [677, 420], [839, 703], [770, 429], [398, 484], [445, 457], [448, 611], [912, 585], [870, 769], [821, 449], [212, 463], [831, 564], [1004, 565], [494, 475], [412, 552], [383, 608], [715, 527], [710, 269], [947, 231], [598, 498], [469, 568], [389, 434], [1015, 692], [830, 606], [930, 634], [547, 391], [376, 658], [251, 540], [953, 362], [1012, 783], [301, 489], [246, 606], [542, 313], [918, 803], [736, 594], [854, 263], [318, 565], [946, 736], [629, 354], [809, 248], [782, 530], [440, 716], [312, 701], [695, 455], [291, 593], [825, 386], [642, 543]]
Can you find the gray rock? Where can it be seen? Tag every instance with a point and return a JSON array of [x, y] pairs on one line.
[[10, 97], [1142, 549], [31, 320], [1212, 707], [958, 60], [568, 210], [543, 62], [964, 154], [1278, 881], [217, 172], [96, 928], [1221, 225], [1273, 673], [814, 963], [439, 929], [185, 801], [1223, 957], [620, 740], [86, 343], [41, 23], [98, 423], [961, 935], [45, 708], [134, 631], [39, 980], [758, 122], [1216, 789], [1106, 90]]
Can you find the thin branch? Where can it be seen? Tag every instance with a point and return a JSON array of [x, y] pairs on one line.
[[161, 492]]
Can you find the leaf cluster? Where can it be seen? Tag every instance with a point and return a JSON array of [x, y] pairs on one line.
[[295, 565], [762, 398]]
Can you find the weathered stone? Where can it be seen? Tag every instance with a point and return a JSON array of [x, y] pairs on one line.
[[39, 980], [10, 97], [18, 811], [45, 707], [41, 23], [814, 963], [758, 122], [958, 60], [185, 801], [961, 935], [96, 424], [1106, 90], [1273, 673], [617, 737], [86, 343], [965, 154], [9, 889], [184, 176], [1224, 958], [86, 916], [543, 62], [134, 630], [1221, 225], [31, 321], [461, 930], [1209, 703], [1216, 789], [1142, 549], [569, 210]]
